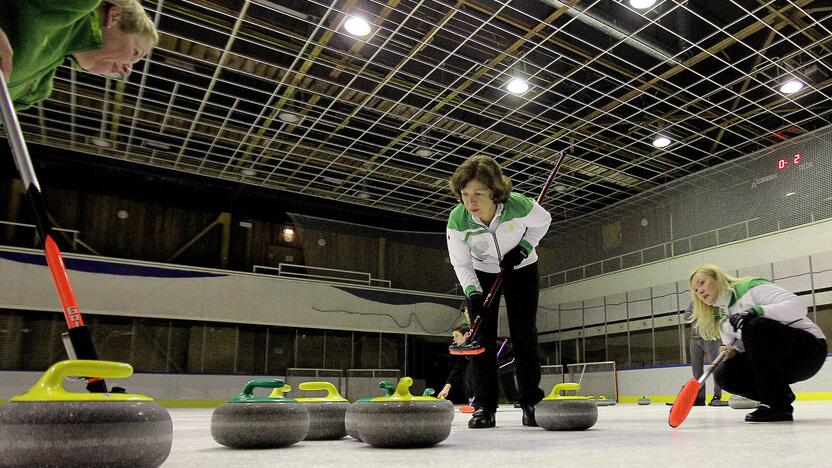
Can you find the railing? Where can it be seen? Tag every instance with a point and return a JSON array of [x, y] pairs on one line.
[[328, 275], [669, 249], [74, 234]]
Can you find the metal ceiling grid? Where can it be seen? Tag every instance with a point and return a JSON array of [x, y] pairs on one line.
[[275, 93]]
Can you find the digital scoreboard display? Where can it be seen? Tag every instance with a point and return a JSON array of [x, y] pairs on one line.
[[786, 162]]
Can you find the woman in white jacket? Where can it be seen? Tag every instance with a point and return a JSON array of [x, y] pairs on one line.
[[494, 228], [768, 340]]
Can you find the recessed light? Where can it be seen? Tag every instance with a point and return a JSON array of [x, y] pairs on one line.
[[101, 143], [357, 26], [560, 188], [288, 117], [642, 4], [363, 195], [517, 86], [661, 141], [248, 172], [791, 86], [424, 152]]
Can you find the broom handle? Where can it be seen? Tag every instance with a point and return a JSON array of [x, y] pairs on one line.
[[717, 361]]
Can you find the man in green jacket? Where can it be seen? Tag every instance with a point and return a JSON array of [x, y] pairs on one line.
[[37, 36]]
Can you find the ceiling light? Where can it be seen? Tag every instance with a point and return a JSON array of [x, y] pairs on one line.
[[357, 26], [661, 141], [791, 86], [424, 152], [248, 172], [288, 117], [156, 145], [101, 143], [517, 86], [642, 4], [363, 195], [790, 194], [560, 188]]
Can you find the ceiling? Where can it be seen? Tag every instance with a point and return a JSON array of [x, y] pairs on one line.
[[276, 94]]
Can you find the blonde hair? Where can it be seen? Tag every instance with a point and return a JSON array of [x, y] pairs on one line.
[[486, 170], [706, 319], [134, 20]]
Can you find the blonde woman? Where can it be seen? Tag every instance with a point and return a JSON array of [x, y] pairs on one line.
[[494, 228], [768, 340], [37, 36]]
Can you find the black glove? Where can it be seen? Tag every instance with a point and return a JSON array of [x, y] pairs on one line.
[[514, 257], [739, 320], [475, 305]]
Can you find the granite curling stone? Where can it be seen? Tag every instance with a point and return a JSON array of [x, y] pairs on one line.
[[557, 412], [604, 401], [349, 417], [49, 426], [741, 402], [643, 401], [248, 421], [402, 420], [326, 414]]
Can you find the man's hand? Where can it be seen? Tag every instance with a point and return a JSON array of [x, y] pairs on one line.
[[729, 351], [475, 305], [6, 54], [444, 392]]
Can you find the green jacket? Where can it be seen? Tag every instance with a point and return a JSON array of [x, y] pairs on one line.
[[43, 33], [474, 246]]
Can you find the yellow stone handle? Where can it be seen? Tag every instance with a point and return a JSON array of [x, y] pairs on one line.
[[564, 387], [403, 388], [50, 385], [278, 392], [331, 391]]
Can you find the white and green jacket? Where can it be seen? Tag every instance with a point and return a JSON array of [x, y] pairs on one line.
[[768, 300], [474, 246]]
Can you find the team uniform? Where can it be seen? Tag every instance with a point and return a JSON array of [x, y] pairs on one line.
[[475, 252], [777, 345]]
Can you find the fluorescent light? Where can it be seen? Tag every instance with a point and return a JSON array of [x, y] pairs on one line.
[[424, 152], [101, 143], [661, 141], [156, 145], [357, 26], [560, 188], [517, 86], [791, 86], [642, 4], [283, 9], [248, 172], [288, 117]]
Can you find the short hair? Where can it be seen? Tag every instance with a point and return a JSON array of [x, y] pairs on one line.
[[706, 317], [486, 170], [134, 20], [464, 328]]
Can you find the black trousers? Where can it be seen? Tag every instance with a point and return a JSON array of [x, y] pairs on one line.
[[521, 289], [775, 356]]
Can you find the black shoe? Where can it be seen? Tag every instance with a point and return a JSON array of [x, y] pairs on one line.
[[699, 402], [482, 419], [528, 416], [766, 414]]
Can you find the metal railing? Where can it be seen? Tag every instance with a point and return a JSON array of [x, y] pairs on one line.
[[669, 249], [74, 235], [328, 275]]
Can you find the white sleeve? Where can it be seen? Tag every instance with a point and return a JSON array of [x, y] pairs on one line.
[[778, 303], [537, 223], [461, 260]]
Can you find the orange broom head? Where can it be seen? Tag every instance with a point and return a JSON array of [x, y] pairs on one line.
[[684, 402], [466, 409], [466, 351]]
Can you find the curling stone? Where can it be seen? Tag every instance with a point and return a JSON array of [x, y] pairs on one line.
[[558, 412], [402, 420], [349, 417], [326, 414], [741, 402], [604, 401], [643, 401], [49, 426], [248, 421]]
